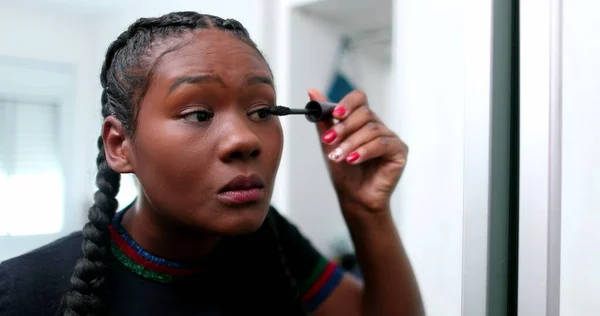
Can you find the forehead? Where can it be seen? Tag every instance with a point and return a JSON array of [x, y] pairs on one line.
[[211, 51]]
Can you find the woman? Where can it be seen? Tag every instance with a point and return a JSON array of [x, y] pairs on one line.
[[185, 109]]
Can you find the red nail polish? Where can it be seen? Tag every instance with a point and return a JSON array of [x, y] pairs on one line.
[[329, 136], [352, 157], [339, 111]]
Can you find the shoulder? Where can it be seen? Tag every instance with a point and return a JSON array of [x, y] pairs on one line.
[[62, 251], [295, 244], [283, 226], [315, 275], [42, 274]]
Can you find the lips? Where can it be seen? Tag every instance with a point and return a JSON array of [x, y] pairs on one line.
[[242, 189], [241, 183]]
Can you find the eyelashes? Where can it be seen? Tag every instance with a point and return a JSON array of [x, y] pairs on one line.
[[199, 116], [261, 113]]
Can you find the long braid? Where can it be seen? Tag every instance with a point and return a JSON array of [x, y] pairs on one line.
[[88, 278], [86, 296], [125, 74]]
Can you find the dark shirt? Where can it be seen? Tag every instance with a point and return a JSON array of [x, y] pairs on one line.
[[247, 277]]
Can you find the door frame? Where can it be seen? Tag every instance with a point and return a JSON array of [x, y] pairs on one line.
[[540, 158]]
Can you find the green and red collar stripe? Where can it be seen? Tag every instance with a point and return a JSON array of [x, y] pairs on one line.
[[321, 283], [131, 255], [324, 279]]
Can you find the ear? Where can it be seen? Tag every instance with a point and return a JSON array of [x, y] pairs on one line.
[[117, 146]]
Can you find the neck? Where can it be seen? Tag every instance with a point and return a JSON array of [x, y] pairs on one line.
[[163, 237]]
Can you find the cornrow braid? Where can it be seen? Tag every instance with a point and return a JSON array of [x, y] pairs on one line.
[[124, 77]]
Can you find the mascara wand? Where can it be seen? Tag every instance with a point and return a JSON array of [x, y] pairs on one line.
[[282, 110], [314, 110]]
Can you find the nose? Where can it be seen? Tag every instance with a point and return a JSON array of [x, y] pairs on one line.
[[238, 141]]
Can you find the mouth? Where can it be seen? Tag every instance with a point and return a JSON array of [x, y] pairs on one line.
[[242, 189]]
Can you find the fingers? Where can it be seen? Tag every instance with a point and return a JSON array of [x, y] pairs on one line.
[[359, 135], [361, 118], [346, 106], [349, 103], [380, 147], [315, 95], [367, 145], [324, 125], [366, 133]]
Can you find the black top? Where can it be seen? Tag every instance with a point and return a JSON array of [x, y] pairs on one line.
[[246, 278]]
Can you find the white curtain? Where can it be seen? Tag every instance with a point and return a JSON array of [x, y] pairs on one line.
[[31, 181]]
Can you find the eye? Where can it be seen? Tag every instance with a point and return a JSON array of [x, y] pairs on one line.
[[199, 116], [260, 114]]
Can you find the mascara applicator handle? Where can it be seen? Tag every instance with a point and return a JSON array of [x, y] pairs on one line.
[[319, 110]]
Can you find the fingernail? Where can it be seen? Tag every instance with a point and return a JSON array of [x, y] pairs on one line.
[[336, 154], [329, 136], [339, 111], [352, 157]]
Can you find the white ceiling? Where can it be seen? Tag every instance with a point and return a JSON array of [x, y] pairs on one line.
[[356, 17], [367, 22], [88, 7], [93, 7], [353, 15]]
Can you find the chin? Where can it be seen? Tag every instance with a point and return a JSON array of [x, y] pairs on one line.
[[240, 221]]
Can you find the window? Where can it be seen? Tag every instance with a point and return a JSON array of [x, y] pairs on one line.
[[31, 178]]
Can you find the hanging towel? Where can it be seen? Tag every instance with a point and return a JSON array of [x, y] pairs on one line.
[[340, 85]]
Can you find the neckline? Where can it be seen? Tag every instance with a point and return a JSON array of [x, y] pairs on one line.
[[130, 254]]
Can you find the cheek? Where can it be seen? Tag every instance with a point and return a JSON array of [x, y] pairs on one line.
[[273, 145], [170, 154]]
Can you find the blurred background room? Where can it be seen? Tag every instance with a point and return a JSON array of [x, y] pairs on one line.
[[498, 101]]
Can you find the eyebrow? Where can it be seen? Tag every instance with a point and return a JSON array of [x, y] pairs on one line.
[[208, 78], [195, 79], [252, 80]]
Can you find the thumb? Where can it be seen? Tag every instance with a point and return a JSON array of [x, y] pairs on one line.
[[316, 95], [324, 125]]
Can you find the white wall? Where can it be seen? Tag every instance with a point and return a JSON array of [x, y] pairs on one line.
[[45, 36], [580, 258], [429, 86]]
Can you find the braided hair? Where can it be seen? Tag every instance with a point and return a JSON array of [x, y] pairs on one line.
[[125, 74]]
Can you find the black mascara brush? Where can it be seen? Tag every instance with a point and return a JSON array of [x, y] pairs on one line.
[[282, 110], [314, 110]]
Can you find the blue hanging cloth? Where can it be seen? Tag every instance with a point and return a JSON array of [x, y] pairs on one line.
[[340, 85]]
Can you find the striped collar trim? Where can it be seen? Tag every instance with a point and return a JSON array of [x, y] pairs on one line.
[[134, 257]]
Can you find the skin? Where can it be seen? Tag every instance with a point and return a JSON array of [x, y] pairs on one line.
[[182, 164]]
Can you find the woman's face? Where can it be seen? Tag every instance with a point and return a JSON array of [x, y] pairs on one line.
[[206, 152]]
